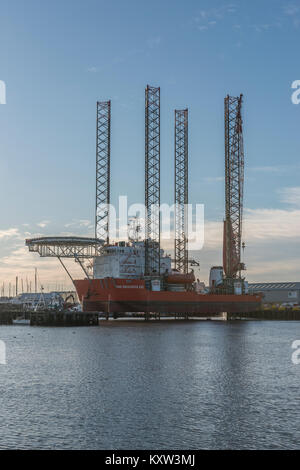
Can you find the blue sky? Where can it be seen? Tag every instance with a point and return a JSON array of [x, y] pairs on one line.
[[57, 58]]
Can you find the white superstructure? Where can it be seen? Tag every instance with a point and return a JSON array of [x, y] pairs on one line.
[[126, 260], [215, 276]]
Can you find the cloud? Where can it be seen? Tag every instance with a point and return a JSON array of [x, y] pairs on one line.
[[205, 19], [154, 42], [79, 223], [266, 169], [84, 223], [16, 257], [279, 169], [265, 27], [115, 61], [271, 253], [272, 240], [291, 9], [261, 27], [43, 223], [9, 233], [291, 196], [259, 226], [202, 28], [218, 13], [273, 269], [16, 260], [20, 262], [271, 224]]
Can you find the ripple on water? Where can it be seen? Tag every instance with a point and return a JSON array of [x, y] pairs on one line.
[[189, 385]]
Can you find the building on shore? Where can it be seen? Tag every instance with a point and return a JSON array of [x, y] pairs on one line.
[[281, 293]]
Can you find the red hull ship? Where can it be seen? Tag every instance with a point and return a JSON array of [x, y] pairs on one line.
[[136, 276], [113, 295]]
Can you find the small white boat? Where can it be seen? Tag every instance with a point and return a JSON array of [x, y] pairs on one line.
[[21, 321]]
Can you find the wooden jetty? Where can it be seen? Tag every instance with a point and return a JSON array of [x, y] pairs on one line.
[[268, 314], [8, 312], [63, 318]]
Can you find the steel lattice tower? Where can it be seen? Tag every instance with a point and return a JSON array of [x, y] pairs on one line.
[[234, 184], [152, 180], [181, 189], [103, 170]]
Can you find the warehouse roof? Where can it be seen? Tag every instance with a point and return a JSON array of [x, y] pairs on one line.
[[275, 286]]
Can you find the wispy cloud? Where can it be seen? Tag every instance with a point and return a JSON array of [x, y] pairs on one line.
[[274, 270], [124, 57], [208, 18], [266, 169], [43, 223], [291, 196], [213, 179], [217, 12], [276, 169], [271, 224], [93, 69], [10, 233], [291, 9], [261, 27], [272, 238], [202, 28], [22, 263], [153, 42], [260, 225], [79, 223]]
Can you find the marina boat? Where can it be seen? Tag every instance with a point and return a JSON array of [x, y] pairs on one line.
[[21, 321]]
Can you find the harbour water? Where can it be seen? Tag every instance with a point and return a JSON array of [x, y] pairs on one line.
[[156, 385]]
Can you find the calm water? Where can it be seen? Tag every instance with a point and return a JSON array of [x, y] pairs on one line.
[[158, 385]]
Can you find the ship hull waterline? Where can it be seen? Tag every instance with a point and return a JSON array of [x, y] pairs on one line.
[[109, 298]]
